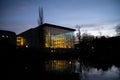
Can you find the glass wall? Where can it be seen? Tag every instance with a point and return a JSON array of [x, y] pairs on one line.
[[58, 38]]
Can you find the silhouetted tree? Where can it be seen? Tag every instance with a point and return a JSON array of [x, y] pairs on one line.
[[79, 32], [41, 18], [86, 36], [117, 28]]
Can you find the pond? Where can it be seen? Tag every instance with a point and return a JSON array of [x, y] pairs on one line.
[[85, 72]]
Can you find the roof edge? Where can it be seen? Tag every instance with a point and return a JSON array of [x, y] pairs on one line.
[[53, 25]]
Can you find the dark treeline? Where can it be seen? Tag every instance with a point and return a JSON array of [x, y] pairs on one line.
[[99, 50]]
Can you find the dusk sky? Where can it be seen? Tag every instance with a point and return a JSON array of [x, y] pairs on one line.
[[96, 16]]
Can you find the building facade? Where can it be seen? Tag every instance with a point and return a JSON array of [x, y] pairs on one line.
[[7, 42], [7, 38], [50, 37]]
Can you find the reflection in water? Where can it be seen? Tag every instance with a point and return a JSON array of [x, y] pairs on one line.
[[62, 66], [112, 73], [85, 73]]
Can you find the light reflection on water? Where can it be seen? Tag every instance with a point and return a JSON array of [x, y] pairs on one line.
[[60, 66], [85, 73]]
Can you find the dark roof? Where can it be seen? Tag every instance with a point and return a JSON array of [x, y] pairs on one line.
[[47, 24], [31, 29], [6, 31], [55, 26]]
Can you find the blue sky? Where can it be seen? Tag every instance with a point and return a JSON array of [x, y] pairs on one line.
[[20, 15]]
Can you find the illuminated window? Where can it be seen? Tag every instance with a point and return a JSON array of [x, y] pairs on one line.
[[58, 38], [20, 41]]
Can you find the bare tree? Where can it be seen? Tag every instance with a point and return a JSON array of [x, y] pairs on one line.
[[79, 32], [40, 20], [117, 29]]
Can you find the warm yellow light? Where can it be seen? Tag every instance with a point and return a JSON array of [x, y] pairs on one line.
[[62, 40], [55, 43], [20, 41], [59, 43], [59, 65]]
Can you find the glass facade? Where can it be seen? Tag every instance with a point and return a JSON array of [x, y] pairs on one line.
[[58, 37]]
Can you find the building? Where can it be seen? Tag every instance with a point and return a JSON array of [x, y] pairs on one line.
[[52, 38], [7, 44], [7, 39]]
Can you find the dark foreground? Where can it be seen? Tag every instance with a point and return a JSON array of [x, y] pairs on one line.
[[30, 65]]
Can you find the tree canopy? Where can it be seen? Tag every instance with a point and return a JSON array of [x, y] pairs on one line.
[[117, 29]]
